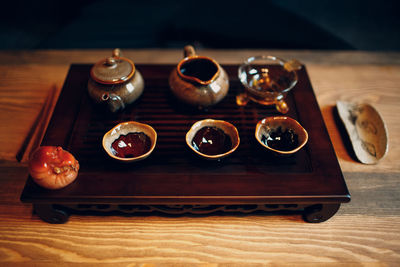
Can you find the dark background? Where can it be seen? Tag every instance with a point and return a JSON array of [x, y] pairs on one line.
[[344, 24]]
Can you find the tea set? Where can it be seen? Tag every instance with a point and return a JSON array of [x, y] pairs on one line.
[[201, 82]]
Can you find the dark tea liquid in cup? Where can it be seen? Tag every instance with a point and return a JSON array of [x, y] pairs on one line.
[[212, 141]]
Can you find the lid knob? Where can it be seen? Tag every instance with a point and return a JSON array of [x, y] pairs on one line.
[[116, 52], [110, 61]]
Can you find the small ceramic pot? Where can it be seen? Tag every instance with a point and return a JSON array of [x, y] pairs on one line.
[[126, 128], [226, 127], [115, 81], [198, 80], [268, 127]]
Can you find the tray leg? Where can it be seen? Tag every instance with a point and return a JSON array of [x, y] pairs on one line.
[[49, 214], [320, 212]]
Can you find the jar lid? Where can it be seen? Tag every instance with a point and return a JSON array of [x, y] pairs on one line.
[[113, 70]]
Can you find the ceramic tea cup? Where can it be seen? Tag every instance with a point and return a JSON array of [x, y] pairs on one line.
[[281, 135], [121, 141], [198, 80], [213, 139]]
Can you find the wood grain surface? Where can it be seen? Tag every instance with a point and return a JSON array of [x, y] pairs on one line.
[[365, 232]]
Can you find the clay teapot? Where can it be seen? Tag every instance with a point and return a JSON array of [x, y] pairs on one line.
[[115, 81], [198, 80]]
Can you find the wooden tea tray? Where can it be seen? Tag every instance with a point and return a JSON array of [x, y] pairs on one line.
[[175, 181]]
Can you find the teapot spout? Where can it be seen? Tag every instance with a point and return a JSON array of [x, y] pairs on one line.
[[113, 101]]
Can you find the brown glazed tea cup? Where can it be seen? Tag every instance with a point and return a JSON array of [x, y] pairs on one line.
[[227, 128], [281, 135], [198, 80], [123, 129]]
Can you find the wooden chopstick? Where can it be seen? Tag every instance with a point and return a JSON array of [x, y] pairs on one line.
[[38, 129]]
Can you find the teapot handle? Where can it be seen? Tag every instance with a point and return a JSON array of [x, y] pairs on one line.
[[188, 51]]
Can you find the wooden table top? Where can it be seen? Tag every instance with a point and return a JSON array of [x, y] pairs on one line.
[[364, 231]]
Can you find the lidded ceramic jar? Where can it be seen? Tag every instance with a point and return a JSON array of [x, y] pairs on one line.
[[115, 81]]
